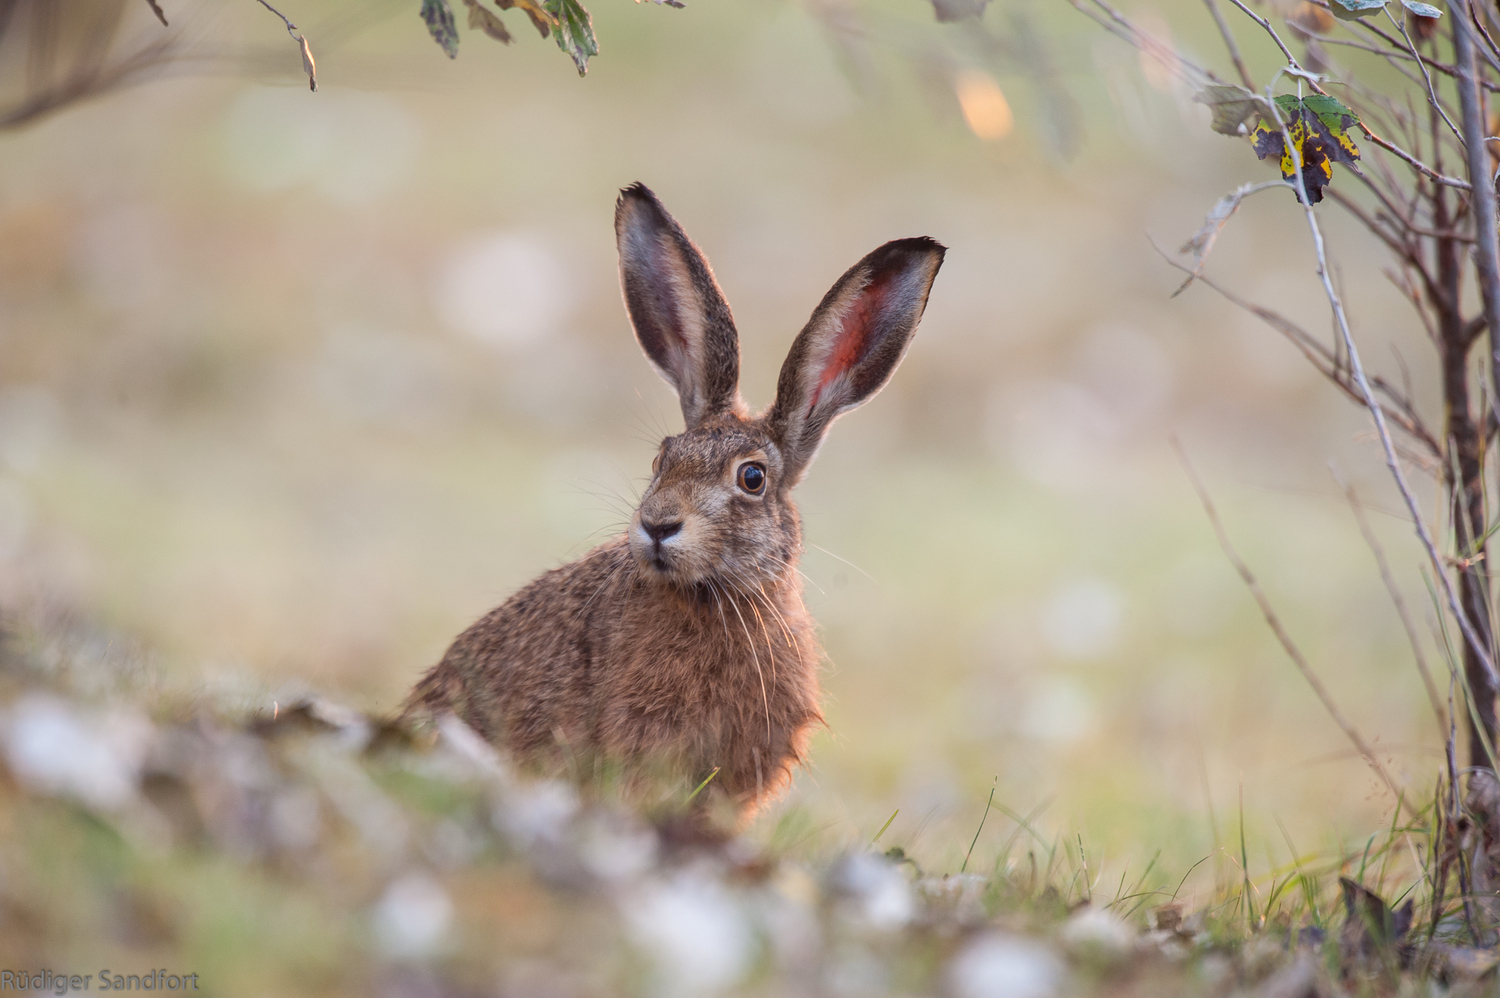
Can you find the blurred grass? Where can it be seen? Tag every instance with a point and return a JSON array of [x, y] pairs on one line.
[[243, 425], [292, 852]]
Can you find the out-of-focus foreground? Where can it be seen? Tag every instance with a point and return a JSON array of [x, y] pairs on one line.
[[294, 386]]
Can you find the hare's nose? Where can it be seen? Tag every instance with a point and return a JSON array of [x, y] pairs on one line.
[[659, 532]]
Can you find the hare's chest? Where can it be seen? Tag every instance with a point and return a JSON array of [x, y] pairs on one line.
[[695, 687]]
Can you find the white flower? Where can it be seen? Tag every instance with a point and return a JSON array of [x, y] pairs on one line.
[[698, 939], [1099, 930], [93, 757], [877, 891], [413, 918], [1004, 966]]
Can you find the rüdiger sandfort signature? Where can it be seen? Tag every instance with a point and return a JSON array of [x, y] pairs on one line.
[[44, 981]]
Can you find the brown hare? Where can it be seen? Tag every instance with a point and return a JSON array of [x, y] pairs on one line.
[[684, 642]]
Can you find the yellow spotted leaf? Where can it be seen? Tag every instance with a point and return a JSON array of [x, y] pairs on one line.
[[1318, 126]]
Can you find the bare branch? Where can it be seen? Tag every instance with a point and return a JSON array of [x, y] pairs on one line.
[[1432, 96], [90, 81], [1202, 242], [1441, 67], [1486, 230], [1394, 244], [1390, 585], [308, 65], [1291, 60], [1121, 25], [1230, 43], [1412, 161], [1403, 413], [1287, 644], [1478, 644]]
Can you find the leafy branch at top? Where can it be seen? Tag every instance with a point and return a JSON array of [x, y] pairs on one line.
[[567, 21]]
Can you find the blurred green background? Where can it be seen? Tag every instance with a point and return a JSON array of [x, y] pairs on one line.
[[294, 386]]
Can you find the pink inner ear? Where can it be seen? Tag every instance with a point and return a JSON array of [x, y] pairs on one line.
[[851, 342], [667, 268]]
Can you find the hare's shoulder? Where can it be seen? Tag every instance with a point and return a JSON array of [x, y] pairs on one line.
[[552, 604], [523, 669]]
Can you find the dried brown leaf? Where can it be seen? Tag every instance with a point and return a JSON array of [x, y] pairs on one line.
[[1310, 19], [1230, 107], [309, 66], [540, 19], [160, 14], [1371, 927], [488, 21], [1202, 242]]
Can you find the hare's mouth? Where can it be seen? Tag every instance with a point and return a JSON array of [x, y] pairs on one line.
[[668, 566], [656, 559]]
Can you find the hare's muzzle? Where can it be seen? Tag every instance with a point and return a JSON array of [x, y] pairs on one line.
[[652, 541]]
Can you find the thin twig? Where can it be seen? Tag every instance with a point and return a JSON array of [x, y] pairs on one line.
[[1395, 592], [1462, 19], [1404, 414], [1287, 644], [1165, 54], [1441, 67], [1395, 245], [1230, 43], [1291, 60], [1446, 181], [1432, 96], [308, 65]]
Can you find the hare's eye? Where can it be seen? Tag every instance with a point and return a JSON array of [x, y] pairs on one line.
[[752, 477]]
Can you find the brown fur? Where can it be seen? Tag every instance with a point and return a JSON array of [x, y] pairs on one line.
[[692, 649]]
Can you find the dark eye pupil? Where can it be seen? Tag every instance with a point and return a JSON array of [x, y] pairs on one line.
[[752, 478]]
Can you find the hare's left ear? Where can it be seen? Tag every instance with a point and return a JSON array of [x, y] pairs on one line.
[[851, 345], [679, 313]]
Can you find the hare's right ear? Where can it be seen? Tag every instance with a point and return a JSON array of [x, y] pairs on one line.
[[851, 345], [679, 313]]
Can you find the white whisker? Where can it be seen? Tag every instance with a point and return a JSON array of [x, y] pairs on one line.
[[613, 572], [846, 561], [756, 659]]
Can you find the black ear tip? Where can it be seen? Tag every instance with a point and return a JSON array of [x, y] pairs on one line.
[[637, 192], [638, 197], [902, 252], [926, 244]]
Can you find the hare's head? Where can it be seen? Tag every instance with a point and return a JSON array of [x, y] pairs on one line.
[[718, 509]]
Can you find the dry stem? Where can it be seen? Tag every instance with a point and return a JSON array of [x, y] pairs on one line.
[[1287, 644]]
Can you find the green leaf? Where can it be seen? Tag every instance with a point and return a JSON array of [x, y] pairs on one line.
[[575, 31], [1421, 9], [1230, 106], [439, 18], [1334, 116], [488, 21], [1349, 10], [1289, 104], [540, 19]]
